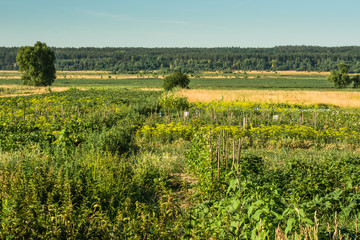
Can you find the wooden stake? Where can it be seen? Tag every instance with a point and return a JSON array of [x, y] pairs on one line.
[[239, 153], [218, 153], [211, 160], [223, 142], [302, 123], [233, 162], [226, 151]]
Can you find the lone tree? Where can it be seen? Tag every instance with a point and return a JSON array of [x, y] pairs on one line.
[[37, 64], [356, 81], [176, 79], [340, 78]]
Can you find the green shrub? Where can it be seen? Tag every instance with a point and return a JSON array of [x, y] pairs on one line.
[[176, 79]]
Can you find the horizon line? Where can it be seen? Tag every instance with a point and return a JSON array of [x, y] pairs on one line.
[[197, 47]]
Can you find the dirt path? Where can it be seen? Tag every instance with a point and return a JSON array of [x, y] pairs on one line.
[[183, 186]]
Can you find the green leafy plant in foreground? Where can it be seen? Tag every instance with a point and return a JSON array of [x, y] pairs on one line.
[[254, 202]]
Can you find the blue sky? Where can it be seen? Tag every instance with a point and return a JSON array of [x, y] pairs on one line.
[[185, 23]]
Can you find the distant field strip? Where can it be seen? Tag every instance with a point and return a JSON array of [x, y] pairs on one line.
[[19, 90], [206, 80]]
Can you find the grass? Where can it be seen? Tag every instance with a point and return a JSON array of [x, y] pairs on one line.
[[250, 80], [199, 83], [289, 83], [110, 82]]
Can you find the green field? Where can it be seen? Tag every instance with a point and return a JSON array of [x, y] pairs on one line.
[[262, 83], [203, 83], [280, 82]]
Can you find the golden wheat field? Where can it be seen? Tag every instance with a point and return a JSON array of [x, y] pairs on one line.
[[342, 99]]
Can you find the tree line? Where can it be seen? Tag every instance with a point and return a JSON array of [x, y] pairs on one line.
[[192, 60]]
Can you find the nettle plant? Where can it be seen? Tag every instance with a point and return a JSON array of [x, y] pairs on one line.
[[170, 100]]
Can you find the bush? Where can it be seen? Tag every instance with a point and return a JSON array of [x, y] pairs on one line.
[[176, 79]]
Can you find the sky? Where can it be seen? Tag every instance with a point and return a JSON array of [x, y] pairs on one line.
[[185, 23]]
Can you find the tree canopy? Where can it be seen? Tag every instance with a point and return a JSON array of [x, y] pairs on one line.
[[176, 79], [340, 78], [193, 60], [37, 64]]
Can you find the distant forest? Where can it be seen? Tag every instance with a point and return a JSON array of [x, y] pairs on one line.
[[192, 60]]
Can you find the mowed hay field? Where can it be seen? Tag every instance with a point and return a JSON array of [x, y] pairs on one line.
[[342, 99]]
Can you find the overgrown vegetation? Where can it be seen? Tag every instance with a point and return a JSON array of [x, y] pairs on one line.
[[125, 164]]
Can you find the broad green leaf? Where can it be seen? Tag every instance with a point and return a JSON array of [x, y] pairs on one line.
[[289, 225], [235, 203], [257, 214], [307, 220], [232, 185], [301, 212], [253, 206]]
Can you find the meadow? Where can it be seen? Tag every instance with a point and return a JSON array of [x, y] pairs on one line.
[[242, 80], [125, 163]]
